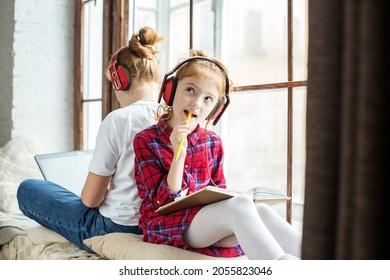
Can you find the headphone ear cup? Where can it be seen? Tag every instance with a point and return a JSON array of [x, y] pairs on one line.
[[124, 77], [217, 109], [169, 90]]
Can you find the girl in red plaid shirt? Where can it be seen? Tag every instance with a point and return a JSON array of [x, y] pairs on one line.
[[229, 228]]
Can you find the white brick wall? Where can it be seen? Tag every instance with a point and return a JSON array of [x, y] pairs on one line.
[[40, 88]]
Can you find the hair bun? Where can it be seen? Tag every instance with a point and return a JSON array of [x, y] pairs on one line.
[[198, 53], [143, 43]]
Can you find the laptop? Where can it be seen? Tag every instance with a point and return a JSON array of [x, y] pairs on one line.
[[67, 169]]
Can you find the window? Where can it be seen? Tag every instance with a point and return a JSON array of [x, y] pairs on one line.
[[92, 78], [264, 45], [89, 93]]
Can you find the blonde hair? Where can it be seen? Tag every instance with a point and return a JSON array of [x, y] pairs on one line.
[[140, 56], [202, 68]]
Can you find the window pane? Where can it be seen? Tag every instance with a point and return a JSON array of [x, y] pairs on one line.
[[175, 3], [299, 144], [91, 122], [146, 18], [254, 131], [143, 13], [178, 40], [203, 27], [254, 40], [151, 4], [300, 30], [92, 52]]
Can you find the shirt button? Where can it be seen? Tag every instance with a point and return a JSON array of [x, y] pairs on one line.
[[158, 202], [186, 166]]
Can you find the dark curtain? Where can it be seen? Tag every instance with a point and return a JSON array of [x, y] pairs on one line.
[[347, 189]]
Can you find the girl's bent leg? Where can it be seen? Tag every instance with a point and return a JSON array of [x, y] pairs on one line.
[[237, 216], [289, 238], [62, 211]]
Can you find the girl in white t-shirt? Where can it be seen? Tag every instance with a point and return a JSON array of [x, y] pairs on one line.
[[109, 200]]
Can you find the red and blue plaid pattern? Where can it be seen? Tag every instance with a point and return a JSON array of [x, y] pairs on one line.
[[203, 166]]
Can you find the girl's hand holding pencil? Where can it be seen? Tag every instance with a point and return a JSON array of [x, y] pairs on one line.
[[177, 152]]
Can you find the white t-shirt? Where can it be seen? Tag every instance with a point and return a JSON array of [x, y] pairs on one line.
[[114, 155]]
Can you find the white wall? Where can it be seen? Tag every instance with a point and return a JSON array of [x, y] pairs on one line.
[[36, 71]]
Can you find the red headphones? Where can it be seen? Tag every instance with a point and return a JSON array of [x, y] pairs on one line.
[[169, 84], [120, 75]]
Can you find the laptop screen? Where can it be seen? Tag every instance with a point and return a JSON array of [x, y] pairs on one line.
[[67, 169]]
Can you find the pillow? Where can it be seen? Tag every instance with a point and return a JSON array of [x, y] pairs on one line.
[[40, 234], [16, 164], [128, 246]]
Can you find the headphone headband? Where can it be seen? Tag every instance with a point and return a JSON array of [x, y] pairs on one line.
[[169, 83]]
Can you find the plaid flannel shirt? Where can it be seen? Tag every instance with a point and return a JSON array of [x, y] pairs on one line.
[[203, 166]]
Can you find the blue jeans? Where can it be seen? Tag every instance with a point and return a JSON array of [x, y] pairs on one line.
[[62, 211]]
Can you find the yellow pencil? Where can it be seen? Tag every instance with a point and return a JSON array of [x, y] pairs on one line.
[[181, 140]]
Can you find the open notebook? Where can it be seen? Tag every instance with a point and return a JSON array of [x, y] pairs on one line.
[[67, 169], [211, 194]]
